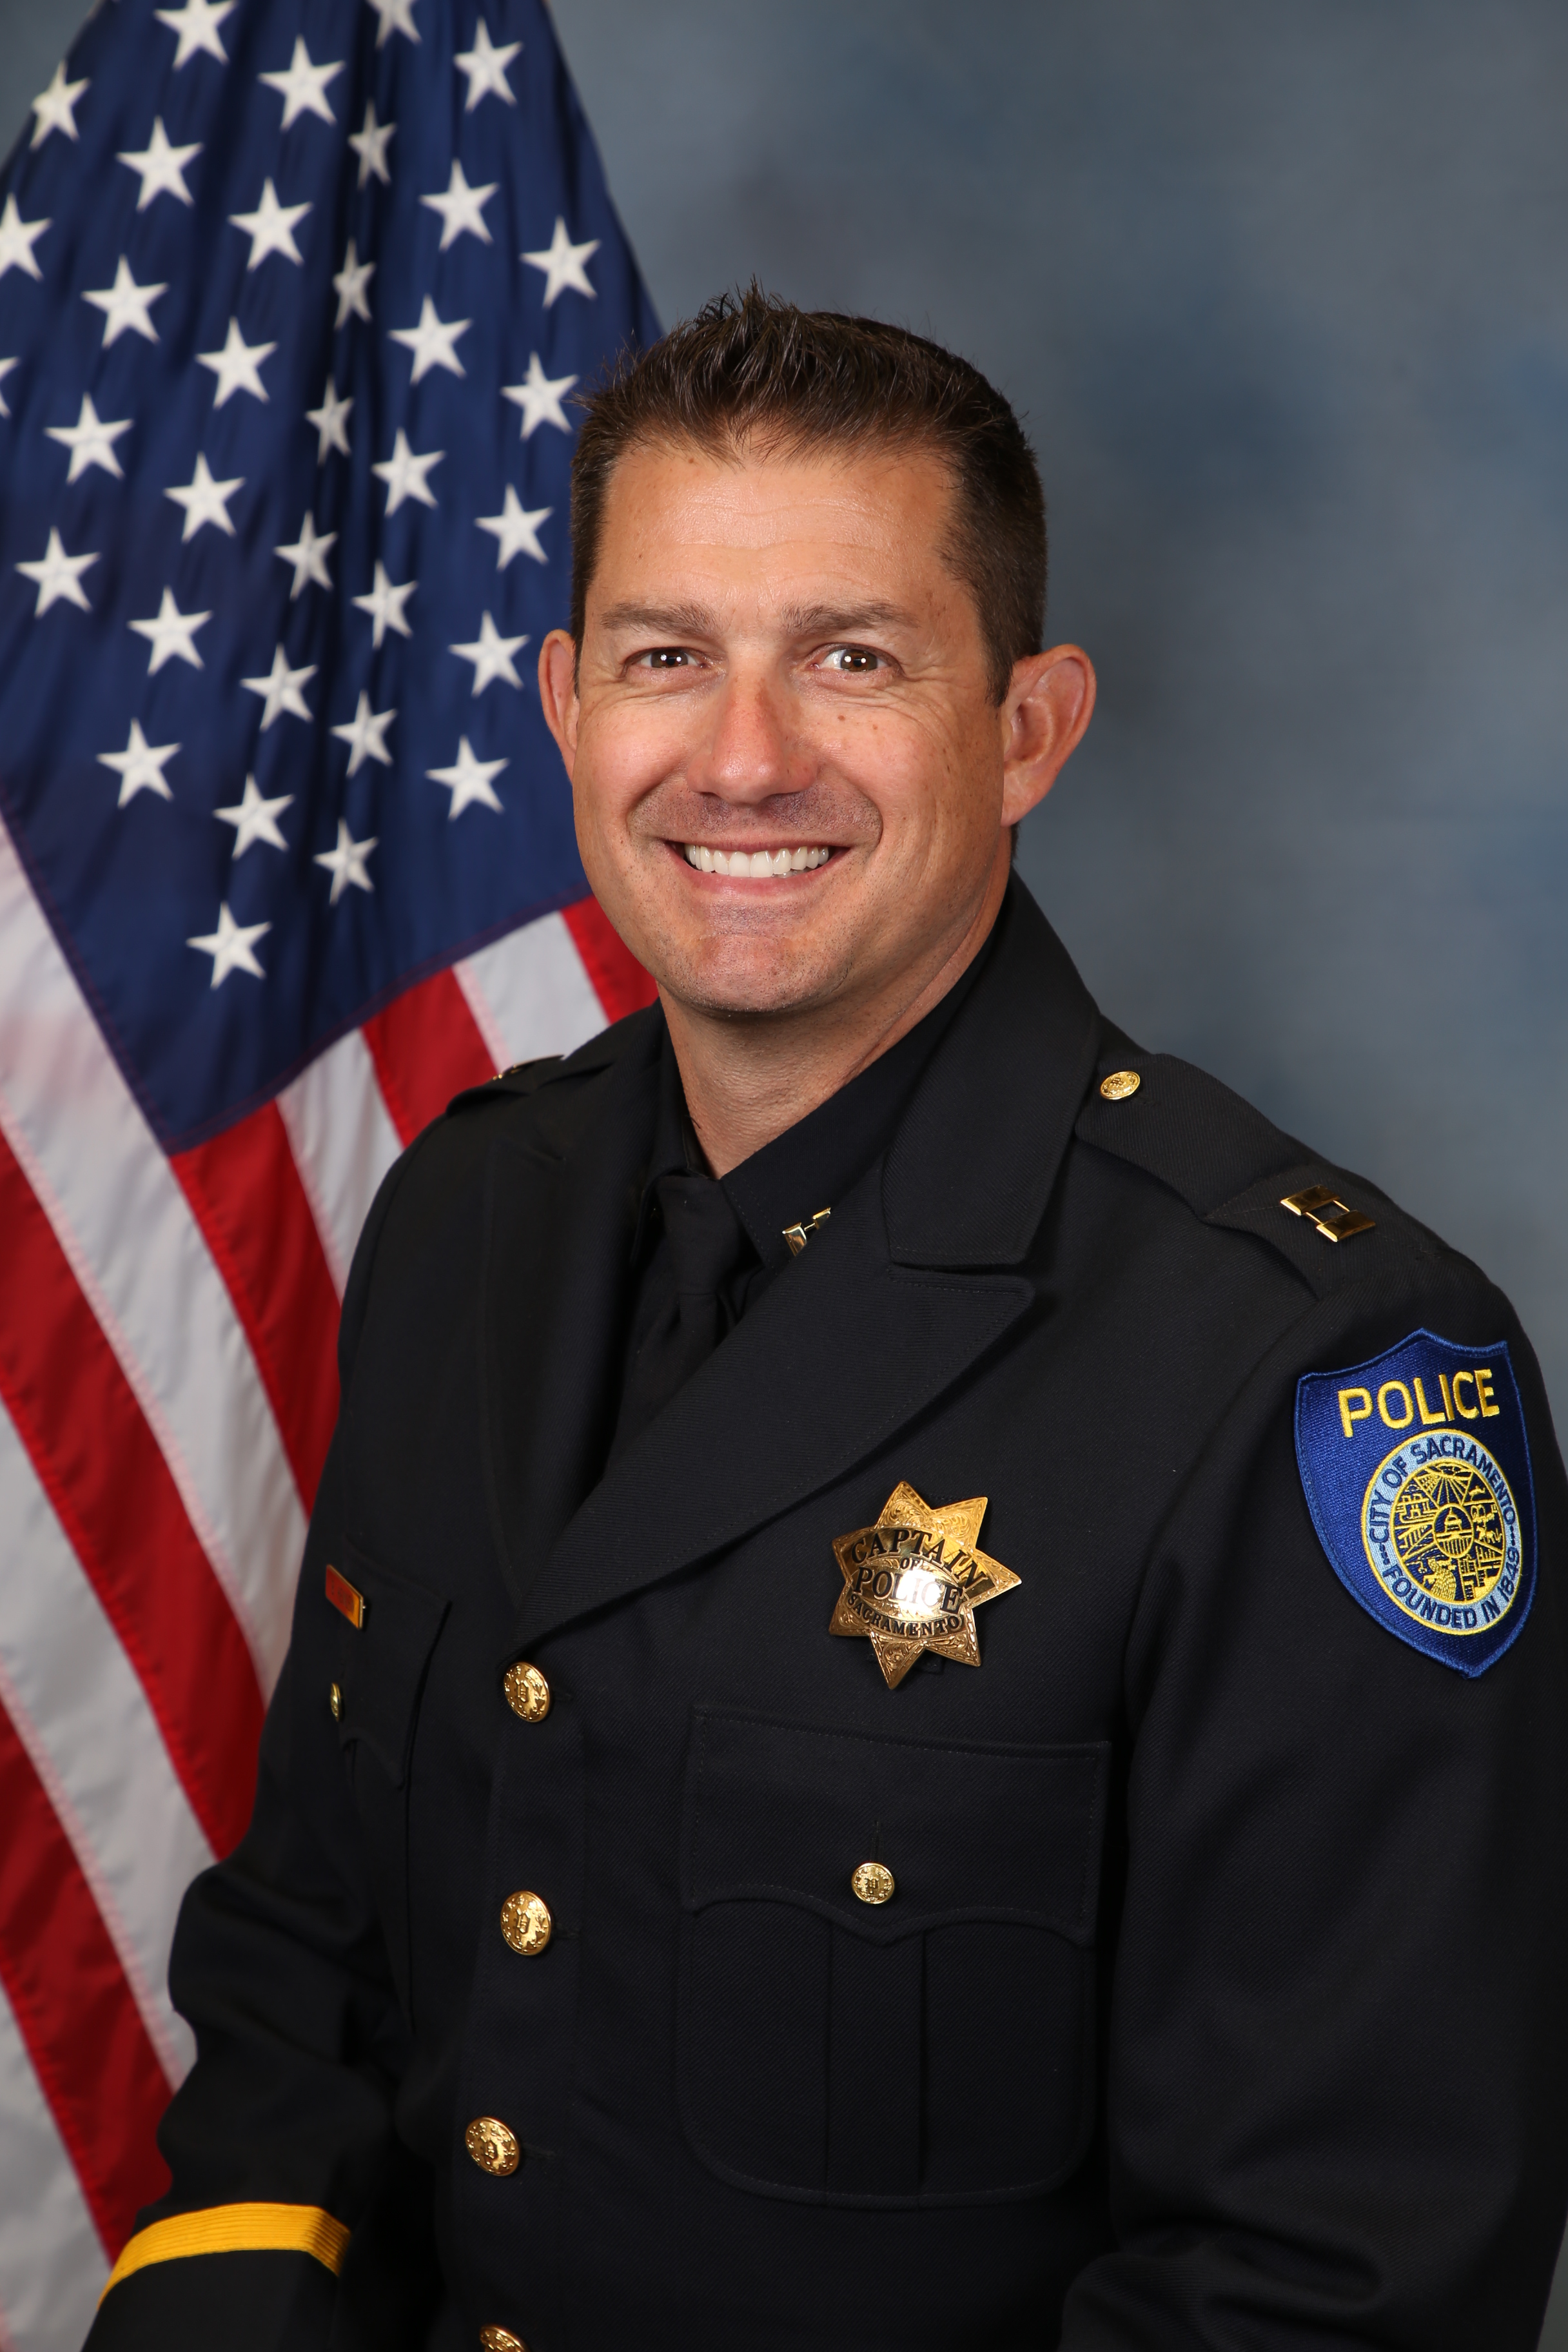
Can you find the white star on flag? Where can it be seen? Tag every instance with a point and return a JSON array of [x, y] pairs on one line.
[[55, 108], [365, 735], [331, 420], [515, 529], [486, 67], [308, 556], [255, 819], [349, 286], [161, 167], [386, 604], [461, 208], [304, 86], [271, 227], [370, 146], [405, 475], [204, 500], [237, 366], [231, 946], [433, 341], [58, 576], [280, 690], [346, 864], [91, 441], [172, 635], [139, 766], [17, 239], [5, 368], [126, 305], [490, 653], [469, 781], [396, 16], [562, 264], [538, 396], [196, 24]]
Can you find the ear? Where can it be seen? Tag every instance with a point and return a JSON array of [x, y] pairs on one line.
[[558, 692], [1049, 703]]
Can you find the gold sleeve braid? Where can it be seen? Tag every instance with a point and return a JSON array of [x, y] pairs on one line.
[[236, 2230]]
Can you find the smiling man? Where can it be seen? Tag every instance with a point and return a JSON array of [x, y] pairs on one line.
[[927, 1698]]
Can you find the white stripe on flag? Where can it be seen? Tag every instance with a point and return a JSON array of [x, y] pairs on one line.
[[84, 1719], [343, 1142], [52, 2267], [528, 993], [127, 1229]]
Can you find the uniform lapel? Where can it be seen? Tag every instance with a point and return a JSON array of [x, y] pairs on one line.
[[559, 1211], [884, 1312]]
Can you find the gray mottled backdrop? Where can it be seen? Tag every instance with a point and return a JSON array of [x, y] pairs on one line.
[[1284, 295]]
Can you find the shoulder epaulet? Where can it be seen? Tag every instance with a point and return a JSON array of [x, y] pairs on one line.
[[1236, 1169], [521, 1078], [526, 1078]]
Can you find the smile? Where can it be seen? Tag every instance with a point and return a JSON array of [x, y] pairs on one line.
[[756, 864]]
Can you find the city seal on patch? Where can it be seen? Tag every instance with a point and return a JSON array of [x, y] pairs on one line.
[[1416, 1472]]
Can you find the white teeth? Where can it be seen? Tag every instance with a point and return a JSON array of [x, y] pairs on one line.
[[754, 862]]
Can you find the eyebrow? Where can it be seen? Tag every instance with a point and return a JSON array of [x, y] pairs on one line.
[[798, 620]]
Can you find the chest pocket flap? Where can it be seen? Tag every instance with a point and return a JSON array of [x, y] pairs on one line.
[[932, 2047]]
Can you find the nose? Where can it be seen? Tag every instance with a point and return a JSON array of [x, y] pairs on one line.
[[748, 755]]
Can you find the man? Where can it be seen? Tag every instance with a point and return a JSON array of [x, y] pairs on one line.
[[926, 1704]]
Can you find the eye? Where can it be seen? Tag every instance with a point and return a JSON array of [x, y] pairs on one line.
[[665, 657], [852, 661]]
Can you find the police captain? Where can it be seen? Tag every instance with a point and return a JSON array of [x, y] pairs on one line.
[[926, 1704]]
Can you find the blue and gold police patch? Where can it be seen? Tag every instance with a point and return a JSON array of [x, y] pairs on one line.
[[1416, 1471]]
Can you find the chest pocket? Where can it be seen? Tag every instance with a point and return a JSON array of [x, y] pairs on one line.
[[381, 1668], [934, 2048]]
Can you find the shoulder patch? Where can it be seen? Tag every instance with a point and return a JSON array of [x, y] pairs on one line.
[[1416, 1471]]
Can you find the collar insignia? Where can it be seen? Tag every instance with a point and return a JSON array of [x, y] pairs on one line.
[[914, 1581]]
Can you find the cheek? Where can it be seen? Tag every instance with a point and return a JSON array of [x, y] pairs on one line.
[[619, 762]]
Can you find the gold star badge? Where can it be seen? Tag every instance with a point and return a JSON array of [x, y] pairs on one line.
[[914, 1581]]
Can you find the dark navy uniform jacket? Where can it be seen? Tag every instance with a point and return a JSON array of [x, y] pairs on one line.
[[1220, 2002]]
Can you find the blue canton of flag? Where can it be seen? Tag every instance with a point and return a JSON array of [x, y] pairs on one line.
[[292, 302]]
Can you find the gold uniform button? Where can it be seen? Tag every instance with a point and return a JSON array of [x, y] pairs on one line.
[[500, 2339], [1120, 1085], [873, 1881], [335, 1701], [525, 1923], [527, 1692], [492, 2147]]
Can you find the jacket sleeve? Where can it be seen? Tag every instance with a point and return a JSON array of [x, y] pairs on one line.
[[279, 2141], [1338, 2062]]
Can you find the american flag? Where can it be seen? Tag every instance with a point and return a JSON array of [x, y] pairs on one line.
[[292, 301]]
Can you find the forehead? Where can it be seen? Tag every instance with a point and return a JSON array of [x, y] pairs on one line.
[[869, 518]]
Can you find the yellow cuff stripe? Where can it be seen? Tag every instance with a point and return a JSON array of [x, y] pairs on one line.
[[237, 2230]]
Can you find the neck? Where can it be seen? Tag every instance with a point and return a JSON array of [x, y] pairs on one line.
[[747, 1081]]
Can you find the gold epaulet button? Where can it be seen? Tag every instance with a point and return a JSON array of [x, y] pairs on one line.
[[493, 2149]]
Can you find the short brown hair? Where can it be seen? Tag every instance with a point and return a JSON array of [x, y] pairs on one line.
[[753, 369]]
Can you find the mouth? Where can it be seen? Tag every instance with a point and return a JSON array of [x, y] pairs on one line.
[[754, 864]]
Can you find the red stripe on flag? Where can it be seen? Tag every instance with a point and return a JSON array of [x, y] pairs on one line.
[[114, 1494], [619, 982], [427, 1048], [89, 2049], [244, 1191]]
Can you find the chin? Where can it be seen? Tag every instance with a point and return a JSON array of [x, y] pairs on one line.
[[727, 976]]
